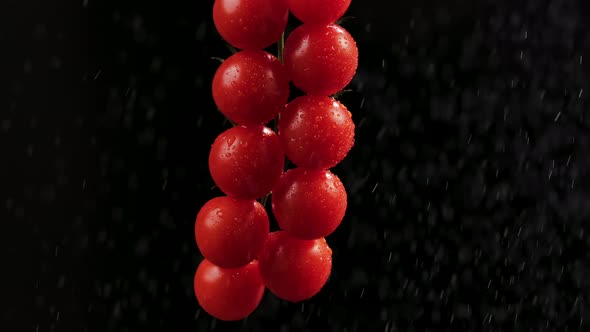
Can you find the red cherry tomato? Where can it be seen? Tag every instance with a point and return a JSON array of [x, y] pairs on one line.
[[246, 163], [317, 132], [230, 232], [320, 59], [251, 87], [228, 294], [250, 24], [294, 269], [309, 204], [314, 11]]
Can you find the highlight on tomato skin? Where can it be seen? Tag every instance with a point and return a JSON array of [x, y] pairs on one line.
[[228, 294], [229, 232], [318, 11], [320, 59], [317, 132], [309, 204], [293, 269], [250, 24], [246, 162], [251, 87]]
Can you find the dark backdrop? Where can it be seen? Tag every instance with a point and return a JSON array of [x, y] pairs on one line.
[[468, 186]]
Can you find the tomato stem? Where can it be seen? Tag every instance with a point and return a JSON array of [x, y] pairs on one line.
[[230, 121], [344, 19], [275, 124], [218, 59], [264, 199], [340, 93], [232, 49], [281, 47], [280, 51]]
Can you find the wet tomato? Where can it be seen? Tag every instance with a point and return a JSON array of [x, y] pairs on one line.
[[314, 11], [246, 162], [320, 59], [250, 24], [231, 232], [309, 204], [251, 87], [228, 294], [294, 269], [316, 131]]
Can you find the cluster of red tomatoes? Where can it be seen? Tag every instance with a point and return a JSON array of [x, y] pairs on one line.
[[315, 132]]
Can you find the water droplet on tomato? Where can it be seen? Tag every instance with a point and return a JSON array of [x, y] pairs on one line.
[[231, 140]]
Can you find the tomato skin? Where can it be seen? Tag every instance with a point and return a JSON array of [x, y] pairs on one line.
[[230, 233], [246, 162], [309, 204], [251, 87], [316, 131], [320, 59], [294, 269], [250, 24], [314, 11], [228, 294]]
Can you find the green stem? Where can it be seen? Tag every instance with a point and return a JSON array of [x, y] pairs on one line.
[[344, 19], [275, 124], [230, 121], [281, 47], [232, 49], [340, 93], [264, 199], [280, 51]]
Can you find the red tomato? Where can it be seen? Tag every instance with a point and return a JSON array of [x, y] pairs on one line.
[[245, 163], [250, 24], [320, 59], [314, 11], [228, 294], [317, 132], [251, 87], [230, 232], [294, 269], [309, 204]]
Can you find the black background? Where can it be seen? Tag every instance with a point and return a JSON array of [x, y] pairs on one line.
[[468, 186]]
